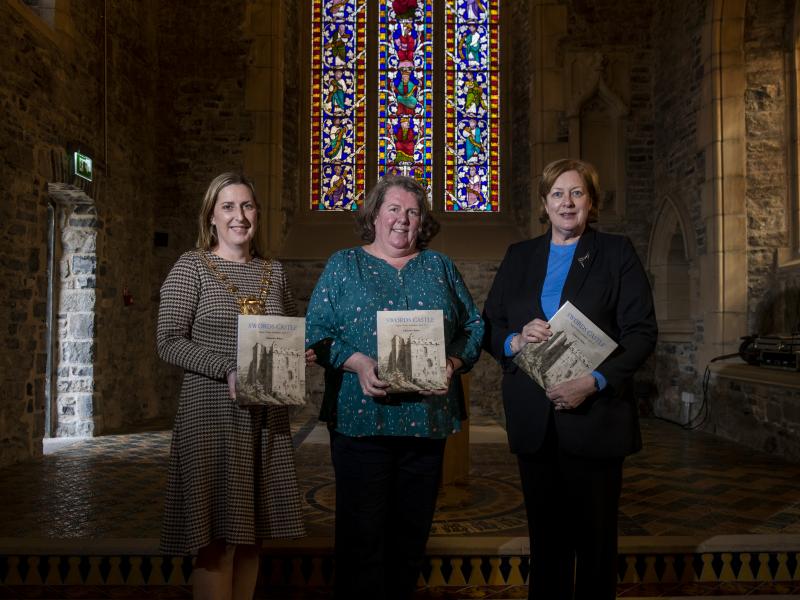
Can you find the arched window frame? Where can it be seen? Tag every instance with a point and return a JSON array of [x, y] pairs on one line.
[[315, 234], [790, 256], [672, 217], [365, 110]]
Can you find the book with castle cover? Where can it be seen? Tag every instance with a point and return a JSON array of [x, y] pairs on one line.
[[577, 347], [270, 365], [411, 352]]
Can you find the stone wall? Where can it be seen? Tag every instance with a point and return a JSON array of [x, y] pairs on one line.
[[754, 413], [763, 415], [678, 169], [202, 128], [60, 90], [157, 93], [771, 290], [521, 186]]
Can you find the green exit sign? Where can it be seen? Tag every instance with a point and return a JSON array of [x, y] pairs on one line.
[[83, 166]]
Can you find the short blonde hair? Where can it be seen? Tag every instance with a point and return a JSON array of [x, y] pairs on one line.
[[588, 173], [207, 233]]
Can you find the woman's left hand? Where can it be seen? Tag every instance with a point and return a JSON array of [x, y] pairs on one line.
[[311, 357], [571, 394], [453, 364]]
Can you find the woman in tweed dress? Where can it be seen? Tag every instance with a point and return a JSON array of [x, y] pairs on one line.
[[231, 480]]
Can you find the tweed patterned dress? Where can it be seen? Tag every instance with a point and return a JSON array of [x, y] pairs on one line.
[[231, 470]]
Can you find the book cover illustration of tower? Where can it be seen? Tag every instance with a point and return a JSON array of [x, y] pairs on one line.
[[411, 352], [271, 360], [577, 347]]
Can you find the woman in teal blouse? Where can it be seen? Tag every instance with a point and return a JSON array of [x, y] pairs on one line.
[[387, 452]]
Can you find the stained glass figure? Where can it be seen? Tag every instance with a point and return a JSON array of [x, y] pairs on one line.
[[339, 50], [338, 115], [404, 73], [473, 106], [405, 90]]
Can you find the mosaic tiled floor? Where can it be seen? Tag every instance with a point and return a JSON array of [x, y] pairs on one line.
[[681, 484], [683, 494]]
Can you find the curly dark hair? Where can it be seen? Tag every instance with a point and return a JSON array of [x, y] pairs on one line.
[[365, 218]]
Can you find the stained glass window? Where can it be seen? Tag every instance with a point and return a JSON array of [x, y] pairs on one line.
[[405, 90], [472, 98], [463, 162], [338, 115]]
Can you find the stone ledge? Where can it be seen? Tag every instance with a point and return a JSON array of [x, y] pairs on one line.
[[437, 545], [758, 375]]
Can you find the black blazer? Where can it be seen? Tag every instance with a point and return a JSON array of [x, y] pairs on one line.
[[606, 282]]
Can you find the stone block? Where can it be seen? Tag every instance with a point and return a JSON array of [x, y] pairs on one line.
[[84, 264], [735, 233], [84, 406], [266, 51], [85, 283], [40, 310], [551, 18], [80, 326], [549, 50], [255, 159], [552, 90], [84, 209], [84, 221], [79, 241], [66, 429], [735, 326], [734, 188], [262, 89], [732, 34], [78, 352], [733, 123], [265, 18], [66, 406], [267, 128]]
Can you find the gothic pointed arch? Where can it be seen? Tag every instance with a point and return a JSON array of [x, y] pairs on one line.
[[672, 254], [721, 138], [596, 115]]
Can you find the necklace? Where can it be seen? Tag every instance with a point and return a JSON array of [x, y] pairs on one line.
[[248, 305]]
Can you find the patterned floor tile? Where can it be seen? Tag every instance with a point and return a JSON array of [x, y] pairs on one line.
[[681, 483]]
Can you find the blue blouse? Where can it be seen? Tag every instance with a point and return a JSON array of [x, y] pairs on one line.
[[352, 288], [558, 265]]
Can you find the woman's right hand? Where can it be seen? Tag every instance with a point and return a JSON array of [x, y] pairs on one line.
[[535, 331], [367, 370], [232, 384]]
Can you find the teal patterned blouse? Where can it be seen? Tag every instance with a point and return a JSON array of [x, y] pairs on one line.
[[352, 288]]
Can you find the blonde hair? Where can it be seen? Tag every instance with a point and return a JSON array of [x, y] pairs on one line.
[[207, 233]]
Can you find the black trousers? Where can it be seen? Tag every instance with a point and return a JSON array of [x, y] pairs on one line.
[[572, 505], [386, 491]]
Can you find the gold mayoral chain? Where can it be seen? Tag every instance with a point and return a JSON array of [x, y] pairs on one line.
[[247, 304]]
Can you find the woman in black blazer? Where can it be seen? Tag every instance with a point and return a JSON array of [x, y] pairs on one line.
[[570, 439]]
